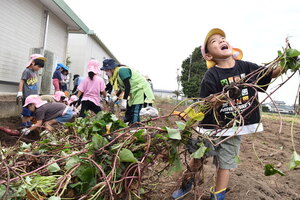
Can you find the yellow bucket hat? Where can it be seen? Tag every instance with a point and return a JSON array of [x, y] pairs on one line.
[[236, 52]]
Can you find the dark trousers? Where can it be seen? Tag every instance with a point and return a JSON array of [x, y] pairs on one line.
[[132, 113], [147, 104], [88, 105]]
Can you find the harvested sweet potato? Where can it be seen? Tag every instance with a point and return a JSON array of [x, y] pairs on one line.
[[9, 131]]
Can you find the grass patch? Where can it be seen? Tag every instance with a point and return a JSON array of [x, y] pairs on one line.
[[284, 117]]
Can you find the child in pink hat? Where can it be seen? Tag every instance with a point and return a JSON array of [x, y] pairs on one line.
[[59, 96], [72, 102], [46, 113], [28, 84], [91, 87]]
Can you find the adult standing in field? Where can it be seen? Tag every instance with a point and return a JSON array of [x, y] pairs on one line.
[[134, 85], [91, 87]]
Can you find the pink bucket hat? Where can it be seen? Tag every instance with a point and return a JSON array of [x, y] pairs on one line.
[[34, 99], [93, 66], [236, 53], [35, 56], [58, 94], [72, 99]]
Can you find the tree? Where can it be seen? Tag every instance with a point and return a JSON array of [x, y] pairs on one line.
[[265, 108], [193, 69], [68, 61]]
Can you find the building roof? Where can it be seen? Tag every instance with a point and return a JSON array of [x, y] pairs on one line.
[[97, 39], [65, 13], [75, 24]]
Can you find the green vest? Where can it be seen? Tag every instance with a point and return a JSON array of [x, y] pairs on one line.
[[139, 87]]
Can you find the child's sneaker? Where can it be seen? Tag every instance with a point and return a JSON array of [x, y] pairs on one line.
[[219, 195], [183, 190]]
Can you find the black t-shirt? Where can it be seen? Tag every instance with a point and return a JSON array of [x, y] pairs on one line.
[[216, 78]]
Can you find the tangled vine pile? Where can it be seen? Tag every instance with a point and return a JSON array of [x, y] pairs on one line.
[[100, 157]]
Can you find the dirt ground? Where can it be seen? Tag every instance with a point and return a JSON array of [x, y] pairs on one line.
[[248, 181]]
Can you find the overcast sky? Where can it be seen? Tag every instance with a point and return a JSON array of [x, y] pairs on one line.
[[155, 36]]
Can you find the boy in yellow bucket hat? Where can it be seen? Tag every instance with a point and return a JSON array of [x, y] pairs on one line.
[[224, 68]]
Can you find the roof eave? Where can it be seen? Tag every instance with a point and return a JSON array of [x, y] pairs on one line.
[[66, 14], [97, 39]]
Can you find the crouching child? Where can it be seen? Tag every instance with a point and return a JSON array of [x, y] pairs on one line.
[[46, 114]]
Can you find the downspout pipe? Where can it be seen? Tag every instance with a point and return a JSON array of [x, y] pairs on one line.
[[45, 32], [40, 73]]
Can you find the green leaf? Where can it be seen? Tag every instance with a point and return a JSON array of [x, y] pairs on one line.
[[180, 125], [28, 180], [142, 191], [53, 167], [98, 141], [68, 124], [295, 161], [85, 172], [72, 162], [199, 116], [44, 184], [200, 152], [270, 170], [292, 53], [75, 185], [160, 136], [190, 112], [188, 109], [96, 129], [115, 146], [127, 156], [176, 166], [140, 136], [2, 190], [194, 115], [174, 133], [46, 141], [237, 159]]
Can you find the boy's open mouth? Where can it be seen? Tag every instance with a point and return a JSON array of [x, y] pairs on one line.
[[224, 47]]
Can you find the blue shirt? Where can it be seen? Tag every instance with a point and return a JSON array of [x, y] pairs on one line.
[[57, 75]]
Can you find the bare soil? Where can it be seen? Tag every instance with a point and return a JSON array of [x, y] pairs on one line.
[[248, 182]]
